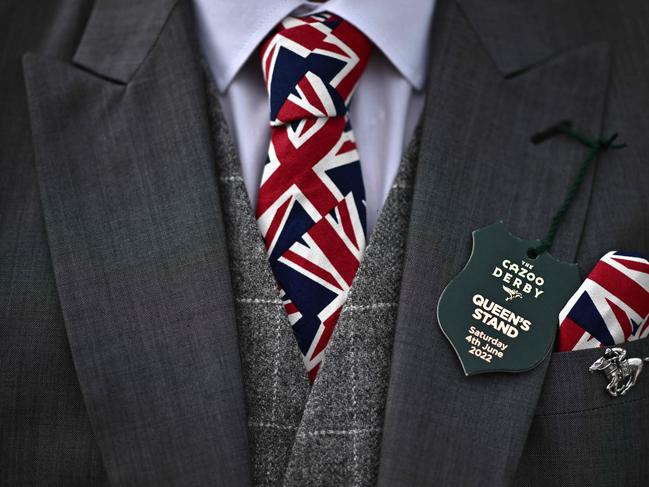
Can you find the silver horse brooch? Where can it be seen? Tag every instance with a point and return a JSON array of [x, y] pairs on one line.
[[620, 372]]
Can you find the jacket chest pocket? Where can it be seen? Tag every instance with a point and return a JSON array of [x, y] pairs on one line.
[[581, 435]]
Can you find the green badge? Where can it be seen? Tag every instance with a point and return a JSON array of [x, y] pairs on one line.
[[501, 311]]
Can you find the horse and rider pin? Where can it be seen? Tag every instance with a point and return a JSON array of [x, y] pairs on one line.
[[621, 372]]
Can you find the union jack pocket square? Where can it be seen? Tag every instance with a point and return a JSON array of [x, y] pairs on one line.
[[610, 307]]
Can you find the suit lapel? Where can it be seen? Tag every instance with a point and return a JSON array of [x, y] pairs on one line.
[[134, 224], [487, 95]]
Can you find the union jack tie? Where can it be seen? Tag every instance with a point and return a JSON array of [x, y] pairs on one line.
[[610, 307], [311, 207]]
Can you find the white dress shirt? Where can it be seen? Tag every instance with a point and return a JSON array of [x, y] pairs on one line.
[[384, 110]]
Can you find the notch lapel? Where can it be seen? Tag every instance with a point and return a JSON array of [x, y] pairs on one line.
[[129, 194], [487, 95]]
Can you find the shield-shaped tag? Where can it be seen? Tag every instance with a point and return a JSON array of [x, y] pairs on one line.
[[501, 311]]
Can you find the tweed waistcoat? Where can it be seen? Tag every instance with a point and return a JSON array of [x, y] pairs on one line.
[[328, 433]]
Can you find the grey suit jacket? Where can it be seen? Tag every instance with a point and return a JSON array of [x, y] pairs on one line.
[[119, 359]]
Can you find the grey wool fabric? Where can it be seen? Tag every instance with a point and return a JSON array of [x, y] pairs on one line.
[[127, 321], [330, 433]]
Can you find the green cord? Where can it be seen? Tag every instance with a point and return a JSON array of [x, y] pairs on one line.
[[596, 146]]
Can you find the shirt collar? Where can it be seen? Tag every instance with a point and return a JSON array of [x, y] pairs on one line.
[[230, 31]]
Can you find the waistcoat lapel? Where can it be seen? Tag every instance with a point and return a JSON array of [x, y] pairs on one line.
[[494, 81], [128, 188], [275, 380]]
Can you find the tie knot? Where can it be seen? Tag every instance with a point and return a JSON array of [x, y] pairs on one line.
[[311, 66]]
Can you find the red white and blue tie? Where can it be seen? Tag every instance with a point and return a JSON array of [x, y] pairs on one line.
[[610, 307], [311, 207]]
